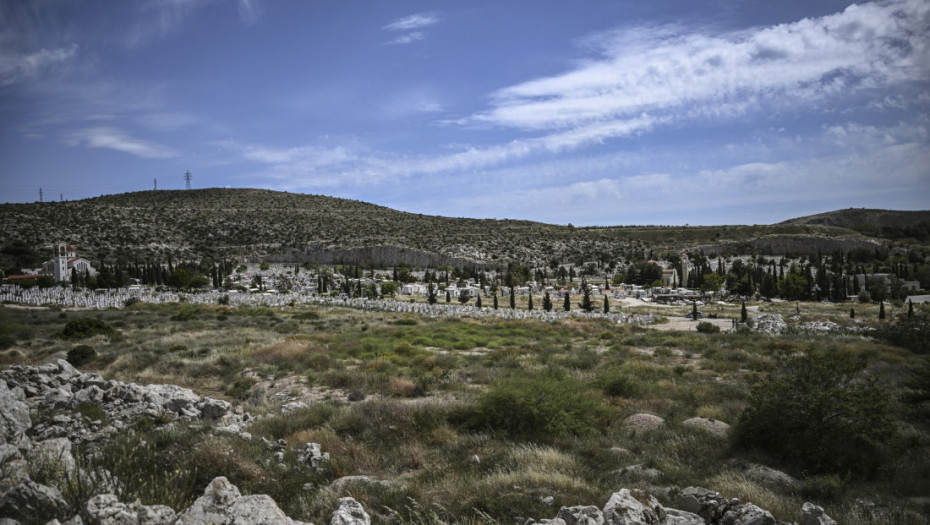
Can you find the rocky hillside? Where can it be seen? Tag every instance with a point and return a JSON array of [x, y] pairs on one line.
[[891, 224], [279, 226]]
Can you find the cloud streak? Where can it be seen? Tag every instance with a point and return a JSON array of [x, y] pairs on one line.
[[668, 71], [15, 66], [115, 139], [409, 24]]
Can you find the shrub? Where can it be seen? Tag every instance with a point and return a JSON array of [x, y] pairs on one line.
[[706, 327], [539, 407], [84, 327], [81, 354], [617, 383], [819, 414], [912, 333]]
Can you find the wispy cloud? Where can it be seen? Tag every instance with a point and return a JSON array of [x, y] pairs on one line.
[[115, 139], [413, 22], [409, 24], [16, 66], [674, 73]]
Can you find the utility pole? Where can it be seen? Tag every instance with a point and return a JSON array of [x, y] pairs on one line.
[[61, 197], [40, 194], [187, 178], [156, 184]]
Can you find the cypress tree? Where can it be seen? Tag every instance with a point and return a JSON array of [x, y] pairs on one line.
[[586, 303], [513, 298], [547, 302], [742, 313], [478, 302], [852, 313], [530, 306], [567, 306], [694, 313], [606, 305], [881, 311], [431, 294], [448, 296], [910, 308], [495, 301]]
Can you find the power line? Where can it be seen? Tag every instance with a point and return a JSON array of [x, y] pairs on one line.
[[187, 178]]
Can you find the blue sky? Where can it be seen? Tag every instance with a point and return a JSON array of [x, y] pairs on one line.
[[589, 112]]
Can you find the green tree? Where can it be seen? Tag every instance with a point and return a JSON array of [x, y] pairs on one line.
[[792, 287], [431, 294], [567, 305], [530, 305], [463, 296], [881, 311], [547, 302], [742, 313], [478, 301], [388, 288], [264, 266], [45, 281], [606, 305], [495, 301], [712, 283], [513, 298], [448, 296], [179, 278], [586, 303], [820, 413]]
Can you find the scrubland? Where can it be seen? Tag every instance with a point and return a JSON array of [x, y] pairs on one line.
[[475, 420]]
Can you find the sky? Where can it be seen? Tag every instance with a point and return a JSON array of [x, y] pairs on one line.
[[592, 112]]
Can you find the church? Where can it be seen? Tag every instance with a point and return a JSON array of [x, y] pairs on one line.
[[66, 261]]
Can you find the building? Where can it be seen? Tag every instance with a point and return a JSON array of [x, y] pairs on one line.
[[66, 261]]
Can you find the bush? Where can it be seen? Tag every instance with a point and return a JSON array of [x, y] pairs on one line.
[[820, 414], [617, 383], [84, 327], [81, 354], [912, 333], [706, 327], [540, 407]]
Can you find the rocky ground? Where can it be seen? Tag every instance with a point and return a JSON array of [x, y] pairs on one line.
[[39, 423]]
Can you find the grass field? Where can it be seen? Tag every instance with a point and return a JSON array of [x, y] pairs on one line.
[[476, 419]]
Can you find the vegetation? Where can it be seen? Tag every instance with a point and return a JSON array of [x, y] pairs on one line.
[[85, 327], [81, 354], [483, 418]]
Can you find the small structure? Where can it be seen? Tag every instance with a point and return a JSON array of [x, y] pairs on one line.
[[66, 260]]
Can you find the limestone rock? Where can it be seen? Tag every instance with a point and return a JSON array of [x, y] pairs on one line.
[[30, 502], [705, 503], [747, 514], [107, 509], [14, 419], [350, 512], [581, 515], [311, 455], [54, 452], [643, 422], [813, 515], [632, 508], [680, 517], [223, 504], [714, 427]]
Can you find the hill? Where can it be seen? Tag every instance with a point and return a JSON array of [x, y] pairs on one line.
[[280, 226], [889, 224]]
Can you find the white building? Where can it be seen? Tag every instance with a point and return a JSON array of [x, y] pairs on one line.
[[64, 262]]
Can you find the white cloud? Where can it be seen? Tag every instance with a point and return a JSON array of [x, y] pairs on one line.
[[671, 72], [112, 138], [415, 21], [409, 38], [15, 66]]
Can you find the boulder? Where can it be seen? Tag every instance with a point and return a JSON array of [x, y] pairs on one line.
[[213, 409], [14, 419], [714, 427], [223, 504], [581, 515], [813, 515], [107, 509], [680, 517], [55, 453], [747, 514], [29, 502], [350, 512], [632, 508], [643, 422], [311, 455], [707, 504]]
